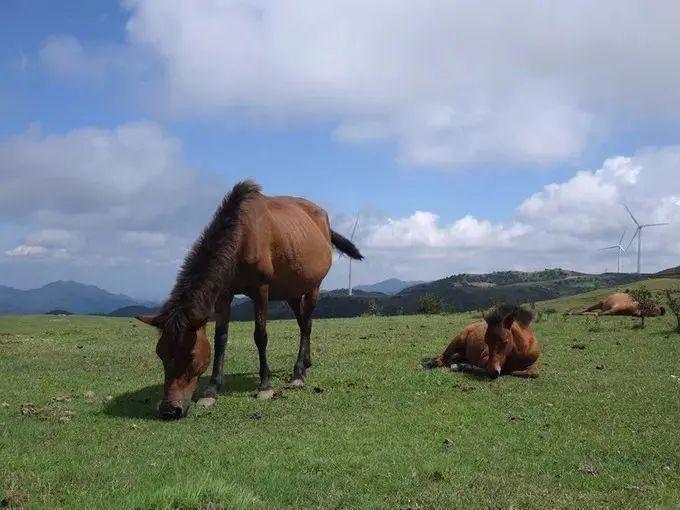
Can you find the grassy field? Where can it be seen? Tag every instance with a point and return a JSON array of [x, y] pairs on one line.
[[580, 301], [370, 430]]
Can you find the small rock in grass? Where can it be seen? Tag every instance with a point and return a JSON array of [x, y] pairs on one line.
[[206, 402], [515, 420], [89, 397], [591, 470], [599, 366], [641, 488], [28, 408], [268, 394], [448, 443]]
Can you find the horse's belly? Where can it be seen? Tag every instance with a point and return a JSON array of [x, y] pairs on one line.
[[292, 278]]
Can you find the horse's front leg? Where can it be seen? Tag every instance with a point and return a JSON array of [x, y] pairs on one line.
[[223, 313], [261, 303]]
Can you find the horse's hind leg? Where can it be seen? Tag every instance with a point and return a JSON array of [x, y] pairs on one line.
[[303, 308], [261, 303], [223, 312]]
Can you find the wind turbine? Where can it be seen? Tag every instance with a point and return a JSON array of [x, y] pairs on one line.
[[619, 250], [638, 234], [351, 238]]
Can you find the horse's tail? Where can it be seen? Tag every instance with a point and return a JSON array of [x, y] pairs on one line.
[[344, 245], [431, 362]]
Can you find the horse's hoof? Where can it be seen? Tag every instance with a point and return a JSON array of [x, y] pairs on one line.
[[266, 394], [210, 392], [455, 367], [297, 383], [206, 402]]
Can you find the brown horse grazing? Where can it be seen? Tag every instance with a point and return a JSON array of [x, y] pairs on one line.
[[502, 344], [621, 303], [268, 248]]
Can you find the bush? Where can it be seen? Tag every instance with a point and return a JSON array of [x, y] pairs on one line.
[[645, 301], [673, 298], [373, 309], [430, 304]]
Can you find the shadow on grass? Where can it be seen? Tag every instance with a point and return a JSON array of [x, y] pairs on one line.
[[143, 403]]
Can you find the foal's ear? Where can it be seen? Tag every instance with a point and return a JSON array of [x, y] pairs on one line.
[[151, 320]]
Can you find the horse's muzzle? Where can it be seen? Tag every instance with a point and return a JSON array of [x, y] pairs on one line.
[[173, 410], [494, 373]]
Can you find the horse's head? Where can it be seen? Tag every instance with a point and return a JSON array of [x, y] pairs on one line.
[[185, 353], [498, 337]]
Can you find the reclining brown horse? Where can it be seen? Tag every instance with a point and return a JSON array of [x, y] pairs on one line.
[[621, 303], [502, 344], [268, 248]]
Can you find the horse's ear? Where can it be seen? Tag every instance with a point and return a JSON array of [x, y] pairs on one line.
[[151, 320]]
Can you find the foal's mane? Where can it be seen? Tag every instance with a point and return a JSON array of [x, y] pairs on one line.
[[210, 264], [501, 311]]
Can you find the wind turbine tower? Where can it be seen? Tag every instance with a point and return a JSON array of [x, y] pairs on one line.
[[619, 250], [351, 238], [638, 233]]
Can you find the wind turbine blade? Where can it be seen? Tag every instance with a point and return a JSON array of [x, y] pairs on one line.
[[631, 215], [622, 236], [654, 225], [609, 247], [637, 232]]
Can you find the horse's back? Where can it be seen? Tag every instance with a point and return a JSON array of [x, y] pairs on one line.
[[286, 243]]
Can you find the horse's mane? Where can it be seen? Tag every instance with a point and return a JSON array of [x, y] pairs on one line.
[[501, 311], [210, 263]]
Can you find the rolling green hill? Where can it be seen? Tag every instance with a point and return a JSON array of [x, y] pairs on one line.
[[580, 301]]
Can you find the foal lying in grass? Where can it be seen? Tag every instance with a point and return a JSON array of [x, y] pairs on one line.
[[502, 344]]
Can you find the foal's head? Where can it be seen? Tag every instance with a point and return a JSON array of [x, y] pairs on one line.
[[498, 337], [185, 353]]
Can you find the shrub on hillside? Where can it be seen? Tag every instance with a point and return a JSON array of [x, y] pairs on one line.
[[673, 298], [430, 304], [645, 300]]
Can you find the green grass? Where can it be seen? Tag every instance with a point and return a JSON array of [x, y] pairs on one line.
[[382, 434], [580, 301]]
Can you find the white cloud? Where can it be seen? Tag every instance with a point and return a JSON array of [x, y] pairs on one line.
[[452, 82], [92, 197], [26, 250], [564, 225], [131, 176], [421, 230]]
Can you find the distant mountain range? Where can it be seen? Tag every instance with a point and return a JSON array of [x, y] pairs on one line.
[[68, 296], [390, 286], [390, 297]]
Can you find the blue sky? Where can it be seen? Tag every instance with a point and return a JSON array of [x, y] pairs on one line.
[[448, 111]]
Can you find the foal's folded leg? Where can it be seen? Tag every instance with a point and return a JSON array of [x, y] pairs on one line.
[[530, 372]]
